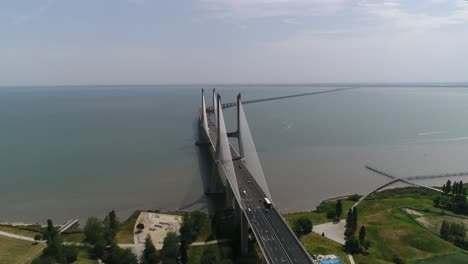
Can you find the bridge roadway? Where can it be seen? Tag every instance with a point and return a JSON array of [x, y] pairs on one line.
[[276, 239]]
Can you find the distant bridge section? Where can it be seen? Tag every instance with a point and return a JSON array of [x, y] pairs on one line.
[[404, 180], [232, 104]]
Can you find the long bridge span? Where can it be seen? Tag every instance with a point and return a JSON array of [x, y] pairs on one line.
[[240, 172], [232, 104]]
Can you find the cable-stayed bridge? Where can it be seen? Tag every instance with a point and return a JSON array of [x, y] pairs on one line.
[[241, 176]]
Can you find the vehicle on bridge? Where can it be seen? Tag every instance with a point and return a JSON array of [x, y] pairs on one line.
[[267, 202]]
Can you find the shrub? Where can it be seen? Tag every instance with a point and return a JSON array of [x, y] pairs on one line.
[[354, 197], [302, 226], [397, 260]]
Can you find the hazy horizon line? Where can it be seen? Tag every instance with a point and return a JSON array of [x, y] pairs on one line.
[[366, 84]]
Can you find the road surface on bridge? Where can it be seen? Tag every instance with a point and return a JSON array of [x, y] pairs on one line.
[[276, 239]]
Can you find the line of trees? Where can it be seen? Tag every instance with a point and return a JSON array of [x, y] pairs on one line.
[[455, 233], [101, 235], [455, 189], [453, 198], [354, 245], [451, 231]]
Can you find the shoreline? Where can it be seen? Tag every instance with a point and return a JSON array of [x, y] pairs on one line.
[[180, 212]]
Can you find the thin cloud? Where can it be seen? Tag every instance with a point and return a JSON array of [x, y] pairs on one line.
[[394, 13], [250, 9], [291, 21], [21, 19]]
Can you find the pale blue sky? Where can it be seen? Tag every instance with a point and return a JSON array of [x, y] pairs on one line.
[[232, 41]]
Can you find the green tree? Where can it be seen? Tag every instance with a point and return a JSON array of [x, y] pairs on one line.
[[70, 253], [55, 252], [93, 229], [150, 255], [54, 248], [208, 256], [140, 227], [362, 237], [352, 246], [398, 260], [302, 226], [444, 230], [37, 238], [99, 248], [349, 225], [169, 249], [339, 209], [118, 255], [187, 232], [448, 186], [331, 214], [50, 232], [112, 222], [355, 219], [455, 187]]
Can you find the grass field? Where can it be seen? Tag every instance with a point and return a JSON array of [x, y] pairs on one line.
[[318, 245], [392, 233], [434, 220], [125, 234], [15, 251], [75, 237], [17, 231], [446, 259]]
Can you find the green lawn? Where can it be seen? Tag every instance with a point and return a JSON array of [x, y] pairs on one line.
[[75, 237], [15, 251], [316, 217], [392, 233], [446, 259], [318, 245], [125, 234], [16, 230]]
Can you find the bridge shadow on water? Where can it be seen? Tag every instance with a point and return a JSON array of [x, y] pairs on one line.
[[210, 203]]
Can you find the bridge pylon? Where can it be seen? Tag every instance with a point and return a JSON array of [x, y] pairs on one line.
[[215, 107], [238, 134]]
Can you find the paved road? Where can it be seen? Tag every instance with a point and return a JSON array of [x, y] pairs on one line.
[[2, 233], [211, 242], [277, 241], [332, 230]]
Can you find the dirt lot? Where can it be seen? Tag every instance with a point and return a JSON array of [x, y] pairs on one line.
[[157, 226]]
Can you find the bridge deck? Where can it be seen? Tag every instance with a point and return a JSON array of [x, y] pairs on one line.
[[277, 241]]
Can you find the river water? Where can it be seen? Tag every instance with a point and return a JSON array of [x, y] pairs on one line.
[[69, 152]]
